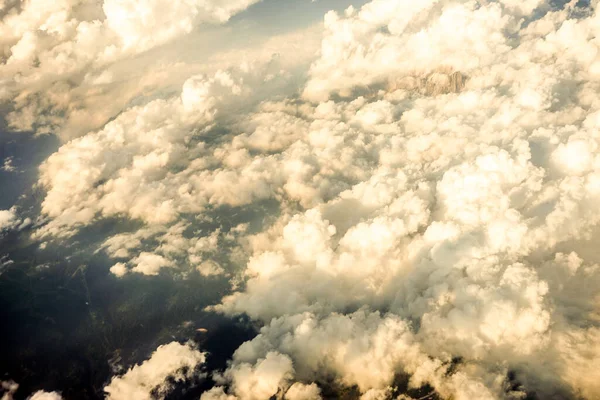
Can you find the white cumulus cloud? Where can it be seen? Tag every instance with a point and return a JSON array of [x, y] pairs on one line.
[[139, 382]]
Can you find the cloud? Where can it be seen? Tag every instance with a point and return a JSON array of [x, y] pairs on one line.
[[8, 219], [137, 186], [453, 243], [263, 379], [135, 22], [387, 40], [301, 391], [426, 207], [8, 389], [577, 349], [141, 144], [41, 395], [56, 58], [148, 379], [364, 349], [8, 165]]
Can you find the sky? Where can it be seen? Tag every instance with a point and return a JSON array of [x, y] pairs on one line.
[[299, 200]]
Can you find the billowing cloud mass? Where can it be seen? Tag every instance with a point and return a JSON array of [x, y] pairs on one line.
[[55, 57], [424, 206], [148, 380]]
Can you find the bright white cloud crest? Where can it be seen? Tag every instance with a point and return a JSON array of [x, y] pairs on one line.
[[436, 187], [175, 360]]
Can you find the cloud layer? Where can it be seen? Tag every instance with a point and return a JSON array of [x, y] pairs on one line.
[[56, 57], [427, 204]]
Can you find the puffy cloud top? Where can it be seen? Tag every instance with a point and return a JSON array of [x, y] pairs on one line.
[[41, 395], [170, 360], [8, 219]]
